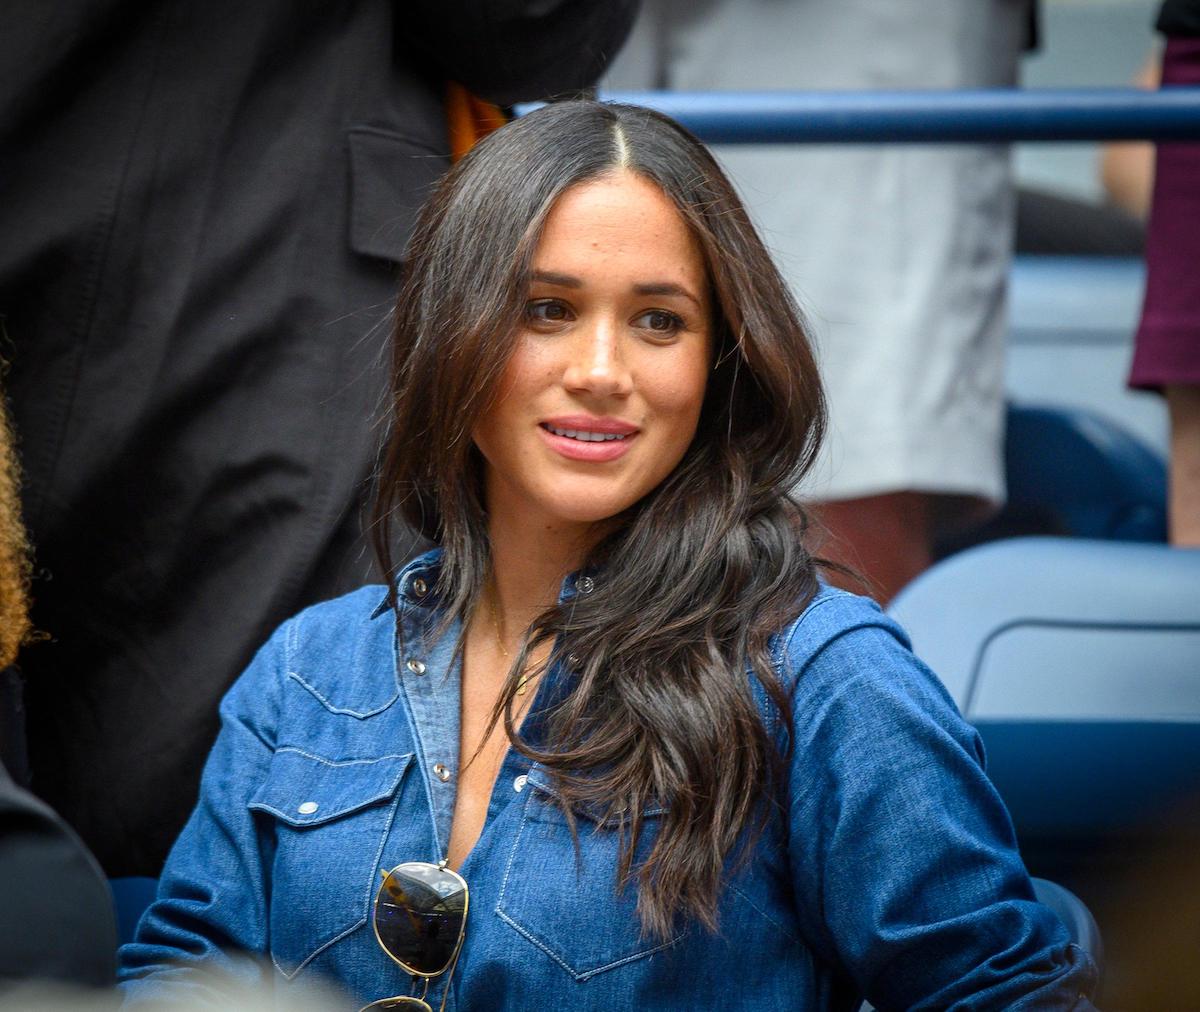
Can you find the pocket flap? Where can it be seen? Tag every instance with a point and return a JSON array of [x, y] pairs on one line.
[[303, 789], [390, 177]]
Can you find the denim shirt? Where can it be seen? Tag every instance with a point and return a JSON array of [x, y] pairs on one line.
[[888, 870]]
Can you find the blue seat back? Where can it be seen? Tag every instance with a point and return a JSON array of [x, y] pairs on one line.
[[1079, 662], [1084, 475]]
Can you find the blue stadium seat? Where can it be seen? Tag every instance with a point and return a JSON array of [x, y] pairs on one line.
[[1084, 475], [1079, 662], [1073, 472]]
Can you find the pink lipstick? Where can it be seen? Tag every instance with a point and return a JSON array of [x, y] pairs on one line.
[[588, 437]]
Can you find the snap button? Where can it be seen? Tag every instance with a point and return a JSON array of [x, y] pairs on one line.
[[415, 666], [308, 808], [585, 585], [420, 587], [441, 772], [520, 782]]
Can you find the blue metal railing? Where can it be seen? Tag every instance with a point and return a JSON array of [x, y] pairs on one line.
[[816, 117]]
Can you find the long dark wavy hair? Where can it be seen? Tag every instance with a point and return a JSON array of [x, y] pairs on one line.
[[698, 574]]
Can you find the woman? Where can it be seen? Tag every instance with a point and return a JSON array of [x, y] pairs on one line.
[[674, 771]]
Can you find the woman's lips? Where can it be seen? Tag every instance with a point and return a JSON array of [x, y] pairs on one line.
[[598, 443]]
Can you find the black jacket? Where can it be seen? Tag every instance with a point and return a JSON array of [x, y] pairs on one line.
[[201, 206], [56, 914], [1179, 18]]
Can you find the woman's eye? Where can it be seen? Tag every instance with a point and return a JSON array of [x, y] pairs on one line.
[[660, 321], [546, 311]]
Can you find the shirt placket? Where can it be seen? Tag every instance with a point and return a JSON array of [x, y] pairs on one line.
[[430, 676]]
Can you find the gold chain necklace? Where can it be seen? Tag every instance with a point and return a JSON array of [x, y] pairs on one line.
[[522, 682]]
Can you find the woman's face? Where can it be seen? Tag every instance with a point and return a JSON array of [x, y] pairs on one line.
[[602, 395]]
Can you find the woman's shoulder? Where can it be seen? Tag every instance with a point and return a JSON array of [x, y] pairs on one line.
[[830, 615], [365, 615], [340, 618], [342, 652], [338, 651], [845, 643]]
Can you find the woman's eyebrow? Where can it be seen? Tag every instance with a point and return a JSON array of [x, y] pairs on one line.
[[558, 280], [665, 288], [644, 288]]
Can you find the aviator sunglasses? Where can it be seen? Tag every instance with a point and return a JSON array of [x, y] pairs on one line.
[[420, 917]]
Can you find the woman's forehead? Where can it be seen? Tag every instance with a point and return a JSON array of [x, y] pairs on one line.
[[615, 218]]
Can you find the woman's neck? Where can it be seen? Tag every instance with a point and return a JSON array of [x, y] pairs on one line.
[[529, 561]]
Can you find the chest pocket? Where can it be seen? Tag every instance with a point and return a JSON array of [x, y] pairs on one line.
[[329, 820], [569, 907]]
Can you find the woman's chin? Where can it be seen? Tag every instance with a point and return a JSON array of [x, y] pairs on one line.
[[585, 510]]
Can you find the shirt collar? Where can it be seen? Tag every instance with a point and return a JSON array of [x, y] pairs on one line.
[[416, 583]]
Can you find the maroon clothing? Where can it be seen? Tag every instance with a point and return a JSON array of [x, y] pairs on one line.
[[1167, 351]]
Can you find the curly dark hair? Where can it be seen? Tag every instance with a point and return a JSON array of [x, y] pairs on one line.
[[14, 549]]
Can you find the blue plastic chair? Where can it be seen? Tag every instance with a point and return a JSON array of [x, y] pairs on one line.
[[1079, 663], [1073, 472], [1084, 475]]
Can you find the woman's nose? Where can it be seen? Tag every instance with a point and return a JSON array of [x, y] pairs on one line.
[[597, 364]]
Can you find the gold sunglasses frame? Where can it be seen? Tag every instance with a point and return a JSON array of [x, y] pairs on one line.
[[448, 969]]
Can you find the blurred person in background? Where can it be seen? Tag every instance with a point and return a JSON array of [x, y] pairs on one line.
[[1167, 346], [56, 916], [1127, 167], [900, 254], [204, 204]]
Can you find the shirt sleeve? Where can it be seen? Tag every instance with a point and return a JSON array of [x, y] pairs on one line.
[[199, 940], [903, 857]]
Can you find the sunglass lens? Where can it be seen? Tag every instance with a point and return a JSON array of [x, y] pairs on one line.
[[397, 1005], [420, 914]]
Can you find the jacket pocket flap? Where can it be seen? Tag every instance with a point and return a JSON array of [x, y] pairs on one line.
[[303, 789], [390, 177]]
